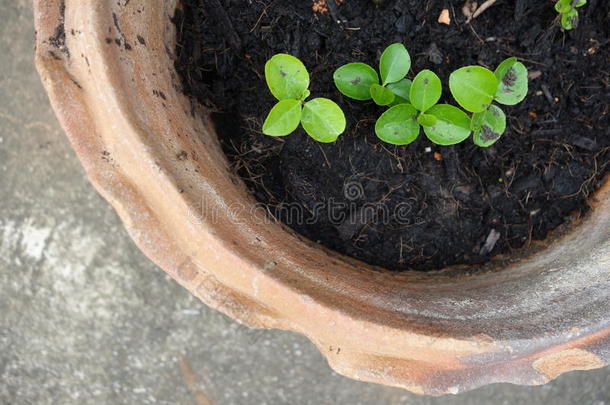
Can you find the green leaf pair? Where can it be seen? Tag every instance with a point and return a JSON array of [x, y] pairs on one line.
[[443, 124], [569, 14], [361, 82], [475, 88], [288, 81]]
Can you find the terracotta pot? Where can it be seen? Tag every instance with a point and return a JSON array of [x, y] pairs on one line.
[[524, 319]]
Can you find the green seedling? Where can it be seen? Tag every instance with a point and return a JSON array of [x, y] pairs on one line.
[[568, 12], [288, 81], [412, 103], [475, 88], [443, 124], [361, 82]]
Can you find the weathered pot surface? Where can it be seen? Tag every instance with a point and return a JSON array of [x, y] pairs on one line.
[[108, 69]]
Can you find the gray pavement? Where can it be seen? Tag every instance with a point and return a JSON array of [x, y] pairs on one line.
[[85, 318]]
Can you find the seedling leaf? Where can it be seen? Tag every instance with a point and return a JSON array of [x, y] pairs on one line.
[[398, 125], [283, 118], [513, 82], [381, 95], [452, 126], [569, 14], [425, 91], [569, 19], [323, 120], [355, 79], [401, 90], [488, 126], [473, 87], [504, 66], [563, 6], [427, 120], [394, 64], [286, 77]]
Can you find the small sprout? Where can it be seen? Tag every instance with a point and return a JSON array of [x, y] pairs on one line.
[[563, 6], [473, 87], [452, 125], [398, 125], [361, 82], [513, 82], [443, 124], [288, 81], [488, 126], [426, 90], [569, 14], [569, 20]]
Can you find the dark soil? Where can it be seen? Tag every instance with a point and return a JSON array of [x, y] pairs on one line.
[[420, 206]]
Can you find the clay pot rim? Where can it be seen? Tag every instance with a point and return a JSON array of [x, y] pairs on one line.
[[335, 301]]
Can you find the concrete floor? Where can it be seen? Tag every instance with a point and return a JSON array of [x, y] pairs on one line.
[[86, 319]]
